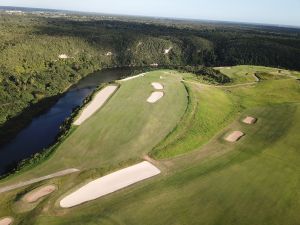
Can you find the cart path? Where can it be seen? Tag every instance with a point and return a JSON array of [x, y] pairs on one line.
[[36, 180]]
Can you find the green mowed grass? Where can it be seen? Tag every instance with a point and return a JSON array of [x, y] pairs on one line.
[[210, 109], [124, 130], [127, 127], [253, 181]]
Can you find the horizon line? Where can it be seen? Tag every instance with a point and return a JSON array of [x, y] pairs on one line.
[[161, 17]]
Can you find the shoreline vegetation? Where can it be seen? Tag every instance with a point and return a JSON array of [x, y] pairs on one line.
[[204, 74], [191, 153], [217, 79], [50, 54], [14, 125], [65, 130]]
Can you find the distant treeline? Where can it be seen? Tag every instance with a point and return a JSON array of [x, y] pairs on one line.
[[40, 57]]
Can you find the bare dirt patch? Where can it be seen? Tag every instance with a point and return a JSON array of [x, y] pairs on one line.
[[157, 86], [249, 120], [98, 101], [110, 183], [6, 221], [155, 96], [39, 193], [234, 136]]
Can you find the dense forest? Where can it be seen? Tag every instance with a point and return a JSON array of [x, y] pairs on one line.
[[41, 56]]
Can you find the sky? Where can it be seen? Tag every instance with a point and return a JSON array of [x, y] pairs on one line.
[[281, 12]]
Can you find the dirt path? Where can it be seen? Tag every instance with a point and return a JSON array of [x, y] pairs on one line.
[[35, 180], [133, 77]]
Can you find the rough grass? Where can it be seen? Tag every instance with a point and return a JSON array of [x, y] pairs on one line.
[[210, 109], [244, 73]]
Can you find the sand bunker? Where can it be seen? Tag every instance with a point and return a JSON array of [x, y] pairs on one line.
[[133, 77], [98, 101], [38, 193], [249, 120], [155, 96], [157, 86], [6, 221], [234, 136], [110, 183]]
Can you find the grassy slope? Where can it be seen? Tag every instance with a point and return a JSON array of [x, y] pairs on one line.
[[254, 181], [244, 73], [127, 127], [213, 108], [210, 109]]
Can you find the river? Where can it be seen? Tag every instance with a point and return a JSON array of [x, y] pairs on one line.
[[43, 129]]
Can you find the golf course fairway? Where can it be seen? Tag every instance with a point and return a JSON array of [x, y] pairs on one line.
[[203, 177]]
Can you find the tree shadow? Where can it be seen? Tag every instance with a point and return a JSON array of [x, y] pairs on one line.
[[14, 125]]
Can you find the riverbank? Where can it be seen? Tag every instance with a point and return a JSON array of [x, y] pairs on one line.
[[64, 128]]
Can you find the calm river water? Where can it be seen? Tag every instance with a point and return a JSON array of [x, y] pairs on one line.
[[43, 129]]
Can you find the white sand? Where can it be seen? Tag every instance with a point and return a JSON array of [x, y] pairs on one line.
[[110, 183], [133, 77], [157, 86], [166, 51], [6, 221], [38, 193], [97, 102], [249, 120], [155, 96], [154, 64], [63, 56], [234, 136]]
